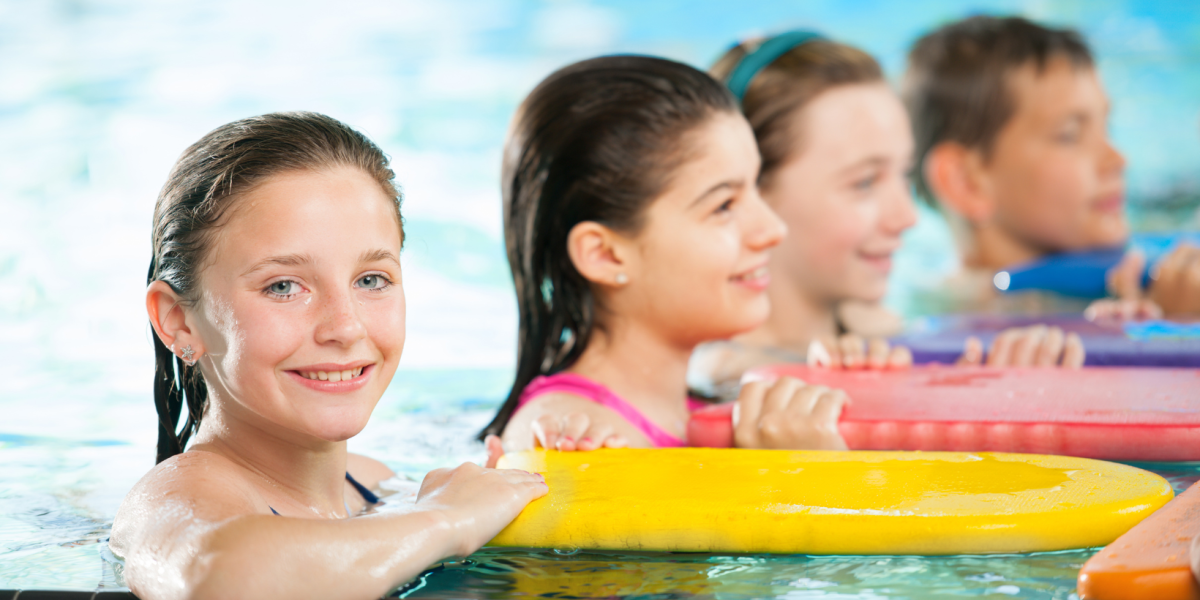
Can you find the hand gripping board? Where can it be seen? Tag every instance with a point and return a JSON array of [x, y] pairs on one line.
[[1105, 412], [1108, 343], [824, 502], [1151, 560]]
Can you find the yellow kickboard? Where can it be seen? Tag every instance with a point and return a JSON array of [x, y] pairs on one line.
[[820, 502]]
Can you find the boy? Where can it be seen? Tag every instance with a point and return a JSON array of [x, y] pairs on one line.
[[1010, 124]]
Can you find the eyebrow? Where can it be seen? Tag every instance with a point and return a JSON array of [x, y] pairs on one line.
[[870, 161], [296, 260], [730, 184], [378, 255], [286, 260]]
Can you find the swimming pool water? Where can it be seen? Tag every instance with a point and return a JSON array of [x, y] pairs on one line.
[[100, 96]]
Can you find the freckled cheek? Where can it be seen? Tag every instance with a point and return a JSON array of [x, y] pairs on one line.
[[384, 321]]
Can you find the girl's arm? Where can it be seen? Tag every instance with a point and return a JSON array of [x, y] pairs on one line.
[[195, 528]]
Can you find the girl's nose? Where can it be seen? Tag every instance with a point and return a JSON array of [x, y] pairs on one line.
[[338, 321], [764, 228], [899, 211]]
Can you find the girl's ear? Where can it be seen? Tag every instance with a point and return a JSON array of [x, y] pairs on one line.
[[171, 321], [958, 180], [599, 254]]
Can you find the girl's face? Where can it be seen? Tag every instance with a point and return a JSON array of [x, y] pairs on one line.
[[844, 194], [700, 261], [302, 311]]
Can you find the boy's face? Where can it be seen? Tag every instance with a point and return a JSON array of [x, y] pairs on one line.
[[1055, 180]]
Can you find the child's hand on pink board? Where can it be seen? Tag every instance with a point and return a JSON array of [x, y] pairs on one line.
[[788, 414], [852, 351]]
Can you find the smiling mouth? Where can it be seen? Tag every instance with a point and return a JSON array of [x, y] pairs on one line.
[[758, 273], [334, 376]]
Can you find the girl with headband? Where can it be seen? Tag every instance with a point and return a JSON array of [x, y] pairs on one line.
[[635, 231], [278, 314], [836, 149]]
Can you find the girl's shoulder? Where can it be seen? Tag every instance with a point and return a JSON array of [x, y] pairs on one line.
[[367, 471], [196, 475]]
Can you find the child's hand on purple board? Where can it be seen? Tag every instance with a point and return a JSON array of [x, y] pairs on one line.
[[1035, 346]]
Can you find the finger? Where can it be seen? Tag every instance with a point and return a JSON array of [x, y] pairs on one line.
[[1026, 346], [573, 427], [853, 350], [972, 355], [1000, 354], [1100, 310], [878, 351], [1050, 350], [1125, 279], [825, 415], [594, 437], [900, 358], [803, 400], [746, 412], [495, 449], [1147, 309], [818, 355], [546, 430], [616, 441], [780, 395], [1073, 353]]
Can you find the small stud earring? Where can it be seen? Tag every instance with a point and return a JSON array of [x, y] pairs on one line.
[[188, 355], [622, 279]]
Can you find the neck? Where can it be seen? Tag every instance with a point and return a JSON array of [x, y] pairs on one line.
[[989, 247], [310, 473], [641, 367], [797, 317]]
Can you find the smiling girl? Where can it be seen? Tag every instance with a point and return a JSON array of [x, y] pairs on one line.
[[276, 301], [635, 232], [837, 148]]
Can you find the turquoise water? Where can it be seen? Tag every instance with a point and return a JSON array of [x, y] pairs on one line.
[[99, 97]]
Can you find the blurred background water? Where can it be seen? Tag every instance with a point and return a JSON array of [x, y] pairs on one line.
[[98, 98]]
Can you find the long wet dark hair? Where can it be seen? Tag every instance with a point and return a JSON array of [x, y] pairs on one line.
[[596, 141], [199, 192]]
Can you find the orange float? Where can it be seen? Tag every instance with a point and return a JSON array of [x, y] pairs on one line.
[[1151, 560]]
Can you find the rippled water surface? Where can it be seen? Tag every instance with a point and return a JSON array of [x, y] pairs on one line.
[[100, 96]]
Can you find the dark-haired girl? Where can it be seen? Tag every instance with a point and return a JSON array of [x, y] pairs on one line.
[[635, 232], [276, 301]]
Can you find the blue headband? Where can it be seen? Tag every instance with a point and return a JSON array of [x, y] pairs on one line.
[[765, 54]]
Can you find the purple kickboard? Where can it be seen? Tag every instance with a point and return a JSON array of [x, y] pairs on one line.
[[941, 339]]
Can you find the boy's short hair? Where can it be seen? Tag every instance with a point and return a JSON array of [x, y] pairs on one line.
[[955, 86]]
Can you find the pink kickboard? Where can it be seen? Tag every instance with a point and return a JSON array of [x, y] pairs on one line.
[[1115, 413]]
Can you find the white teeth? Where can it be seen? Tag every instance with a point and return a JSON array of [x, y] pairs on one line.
[[758, 273], [333, 375]]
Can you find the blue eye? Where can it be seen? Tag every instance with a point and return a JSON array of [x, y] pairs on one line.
[[373, 282], [865, 184], [283, 288]]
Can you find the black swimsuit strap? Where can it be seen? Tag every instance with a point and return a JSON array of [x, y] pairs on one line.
[[367, 495]]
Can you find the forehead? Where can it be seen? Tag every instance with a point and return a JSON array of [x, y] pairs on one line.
[[1059, 88], [849, 122], [331, 213], [720, 149]]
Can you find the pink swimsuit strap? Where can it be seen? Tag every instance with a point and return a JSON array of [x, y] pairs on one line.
[[578, 385]]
